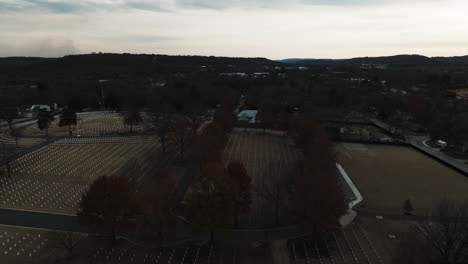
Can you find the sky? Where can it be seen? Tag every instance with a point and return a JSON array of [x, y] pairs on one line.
[[275, 29]]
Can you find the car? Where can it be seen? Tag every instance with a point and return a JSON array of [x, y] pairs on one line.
[[441, 144]]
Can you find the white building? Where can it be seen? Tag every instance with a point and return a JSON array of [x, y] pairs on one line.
[[247, 116]]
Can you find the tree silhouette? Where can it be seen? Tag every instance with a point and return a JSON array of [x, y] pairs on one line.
[[242, 189], [8, 114], [194, 115], [210, 201], [209, 145], [69, 241], [445, 229], [44, 120], [317, 199], [265, 119], [408, 207], [283, 122], [181, 135], [132, 117], [276, 189], [162, 121], [6, 157], [109, 205], [158, 202], [224, 116], [68, 118]]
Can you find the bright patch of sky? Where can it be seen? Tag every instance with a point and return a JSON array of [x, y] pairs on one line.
[[242, 28]]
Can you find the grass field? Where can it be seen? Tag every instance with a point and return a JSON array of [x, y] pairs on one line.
[[388, 175], [263, 156], [53, 177]]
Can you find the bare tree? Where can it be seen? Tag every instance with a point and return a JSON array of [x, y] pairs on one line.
[[7, 154], [194, 115], [181, 135], [132, 117], [15, 132], [69, 241], [162, 122], [413, 248], [446, 231]]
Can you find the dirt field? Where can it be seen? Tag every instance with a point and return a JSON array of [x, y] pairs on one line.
[[388, 175]]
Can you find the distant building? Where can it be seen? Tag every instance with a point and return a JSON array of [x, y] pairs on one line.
[[39, 108], [247, 116], [234, 74], [260, 74], [460, 94]]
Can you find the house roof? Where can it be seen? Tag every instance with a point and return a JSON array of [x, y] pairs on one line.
[[247, 115]]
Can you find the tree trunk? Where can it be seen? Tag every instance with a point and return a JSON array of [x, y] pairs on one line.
[[47, 132], [161, 234], [70, 253], [9, 169], [182, 151], [113, 238], [16, 139], [163, 144], [236, 217], [131, 127], [277, 214], [211, 237]]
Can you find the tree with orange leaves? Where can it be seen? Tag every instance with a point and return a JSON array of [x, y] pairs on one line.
[[224, 116], [158, 201], [209, 202], [209, 146], [317, 198], [109, 205], [242, 189]]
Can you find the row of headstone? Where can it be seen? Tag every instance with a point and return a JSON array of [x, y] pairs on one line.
[[38, 194], [25, 244]]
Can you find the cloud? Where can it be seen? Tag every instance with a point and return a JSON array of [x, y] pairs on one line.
[[80, 6], [42, 47], [223, 4]]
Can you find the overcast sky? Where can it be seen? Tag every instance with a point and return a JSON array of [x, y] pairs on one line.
[[274, 29]]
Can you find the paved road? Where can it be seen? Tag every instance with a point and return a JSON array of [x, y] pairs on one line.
[[42, 220], [418, 142]]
